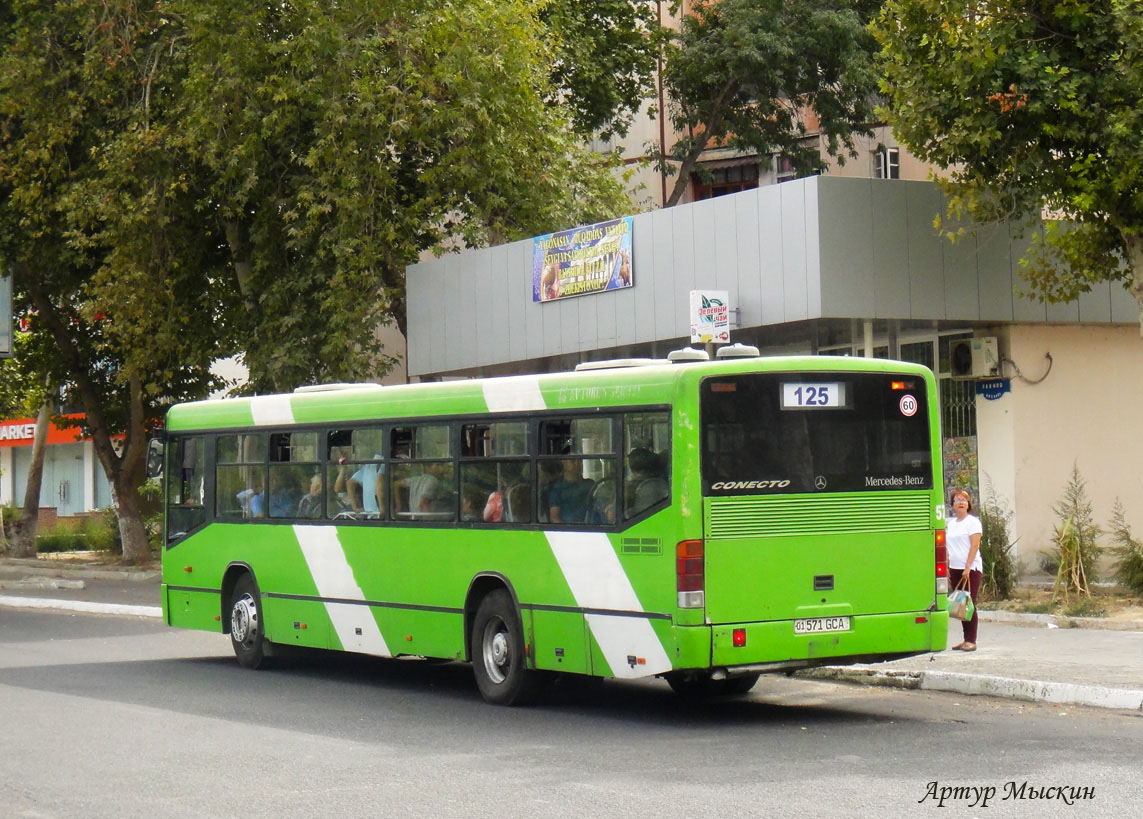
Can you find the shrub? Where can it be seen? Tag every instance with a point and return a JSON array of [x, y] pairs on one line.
[[61, 542], [999, 579], [101, 531], [1129, 569], [1075, 549]]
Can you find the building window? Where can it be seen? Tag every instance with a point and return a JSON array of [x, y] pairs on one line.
[[784, 169], [888, 164], [726, 180]]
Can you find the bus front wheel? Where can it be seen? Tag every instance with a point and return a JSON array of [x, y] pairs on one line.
[[247, 634], [497, 650]]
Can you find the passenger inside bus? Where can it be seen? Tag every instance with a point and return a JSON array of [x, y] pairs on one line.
[[568, 500], [646, 485]]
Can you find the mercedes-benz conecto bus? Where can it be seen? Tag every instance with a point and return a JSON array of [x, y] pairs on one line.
[[702, 522]]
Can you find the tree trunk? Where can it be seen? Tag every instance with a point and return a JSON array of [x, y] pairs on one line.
[[132, 530], [126, 474], [24, 529]]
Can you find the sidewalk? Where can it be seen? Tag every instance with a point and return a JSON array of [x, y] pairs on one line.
[[76, 586], [1032, 657]]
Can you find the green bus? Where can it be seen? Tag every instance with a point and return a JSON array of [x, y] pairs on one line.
[[704, 522]]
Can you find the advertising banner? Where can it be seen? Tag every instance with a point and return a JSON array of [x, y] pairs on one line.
[[710, 316], [584, 260]]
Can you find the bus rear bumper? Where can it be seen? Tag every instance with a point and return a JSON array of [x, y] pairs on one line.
[[774, 647]]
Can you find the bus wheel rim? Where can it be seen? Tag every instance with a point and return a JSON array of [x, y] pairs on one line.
[[244, 619], [497, 651]]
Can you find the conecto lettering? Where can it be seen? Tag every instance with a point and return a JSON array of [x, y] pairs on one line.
[[750, 484]]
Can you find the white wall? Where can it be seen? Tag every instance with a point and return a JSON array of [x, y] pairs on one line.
[[6, 475], [1085, 412]]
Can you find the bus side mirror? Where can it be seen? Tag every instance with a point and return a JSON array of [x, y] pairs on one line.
[[155, 458]]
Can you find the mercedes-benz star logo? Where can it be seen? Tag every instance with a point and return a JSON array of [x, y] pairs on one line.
[[820, 482]]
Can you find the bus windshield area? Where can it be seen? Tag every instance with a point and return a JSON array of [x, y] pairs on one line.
[[786, 433]]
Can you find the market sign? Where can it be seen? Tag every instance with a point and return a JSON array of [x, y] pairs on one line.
[[710, 316], [22, 432], [584, 260]]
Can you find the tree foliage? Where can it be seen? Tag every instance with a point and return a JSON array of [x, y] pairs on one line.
[[1075, 544], [1031, 106], [344, 140], [749, 74], [606, 54], [1128, 550], [185, 179]]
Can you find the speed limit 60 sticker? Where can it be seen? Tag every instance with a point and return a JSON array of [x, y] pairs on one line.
[[908, 406]]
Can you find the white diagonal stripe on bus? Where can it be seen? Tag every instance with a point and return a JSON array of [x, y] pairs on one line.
[[334, 578], [517, 394], [269, 410], [597, 581]]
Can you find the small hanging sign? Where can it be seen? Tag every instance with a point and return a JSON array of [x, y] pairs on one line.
[[993, 388]]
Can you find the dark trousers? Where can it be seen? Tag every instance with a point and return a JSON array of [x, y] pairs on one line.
[[974, 577]]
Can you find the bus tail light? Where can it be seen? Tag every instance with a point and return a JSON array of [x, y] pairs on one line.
[[942, 560], [690, 574]]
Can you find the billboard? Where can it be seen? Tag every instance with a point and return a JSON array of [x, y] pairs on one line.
[[5, 316], [584, 260]]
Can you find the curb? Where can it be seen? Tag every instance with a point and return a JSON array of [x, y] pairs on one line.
[[13, 567], [978, 684], [1059, 621], [80, 605]]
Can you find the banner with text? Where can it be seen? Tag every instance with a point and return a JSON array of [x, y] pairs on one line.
[[710, 316], [589, 259]]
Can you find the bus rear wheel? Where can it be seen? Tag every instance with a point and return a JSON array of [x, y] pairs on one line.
[[497, 651], [247, 635]]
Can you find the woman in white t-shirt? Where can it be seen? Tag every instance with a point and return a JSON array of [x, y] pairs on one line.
[[962, 537]]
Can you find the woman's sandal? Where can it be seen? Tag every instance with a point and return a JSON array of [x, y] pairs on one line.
[[958, 647], [968, 646]]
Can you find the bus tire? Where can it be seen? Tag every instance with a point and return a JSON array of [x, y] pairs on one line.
[[247, 632], [739, 685], [699, 685], [497, 651]]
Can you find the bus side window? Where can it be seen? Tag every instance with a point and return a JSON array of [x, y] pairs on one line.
[[494, 474], [240, 476], [185, 486], [576, 470], [647, 473], [423, 484]]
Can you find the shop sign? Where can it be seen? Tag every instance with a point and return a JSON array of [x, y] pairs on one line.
[[710, 316], [22, 432]]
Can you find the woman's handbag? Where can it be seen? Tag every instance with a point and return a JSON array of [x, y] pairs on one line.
[[960, 601]]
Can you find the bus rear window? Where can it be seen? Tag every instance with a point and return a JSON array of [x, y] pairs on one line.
[[784, 433]]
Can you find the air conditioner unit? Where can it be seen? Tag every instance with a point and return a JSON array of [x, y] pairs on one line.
[[974, 358]]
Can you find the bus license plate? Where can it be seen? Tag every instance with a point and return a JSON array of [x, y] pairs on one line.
[[816, 624]]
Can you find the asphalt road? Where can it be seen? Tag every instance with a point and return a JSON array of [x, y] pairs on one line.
[[104, 716]]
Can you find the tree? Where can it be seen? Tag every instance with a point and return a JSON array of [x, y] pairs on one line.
[[21, 395], [1030, 107], [744, 74], [183, 180], [606, 56], [345, 140], [97, 227]]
